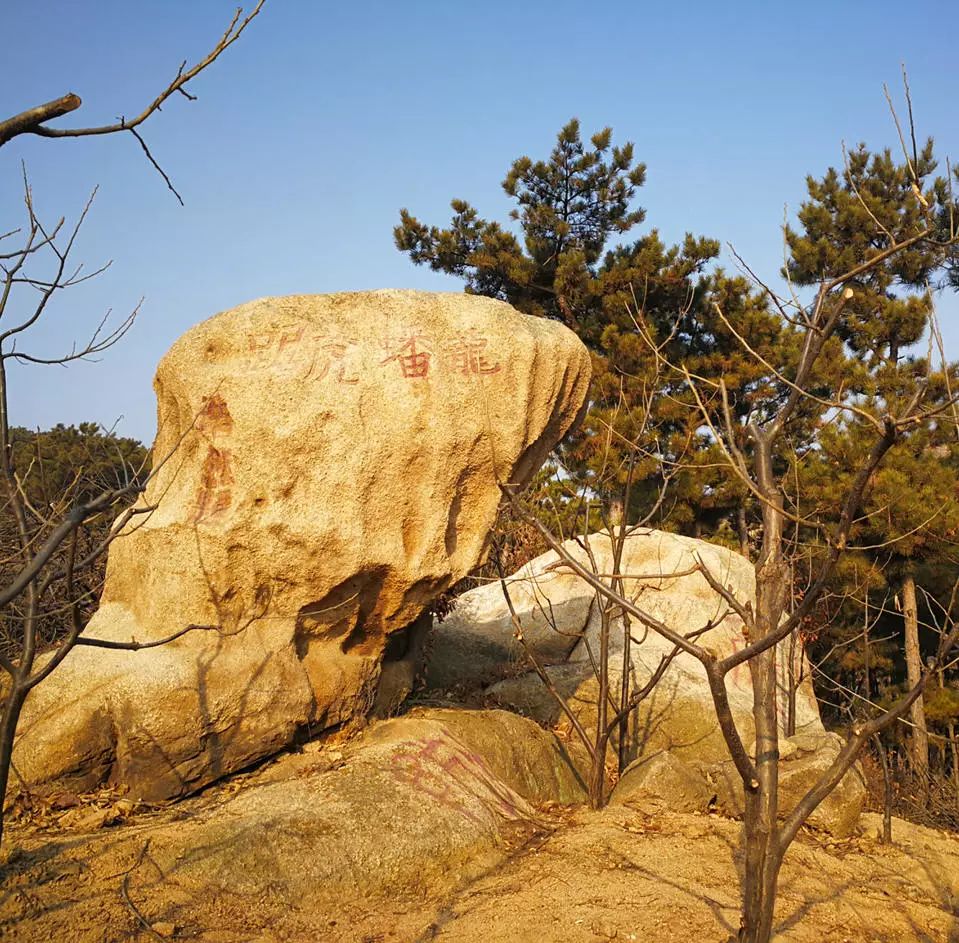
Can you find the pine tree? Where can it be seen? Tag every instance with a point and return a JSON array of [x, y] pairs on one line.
[[847, 219], [568, 208], [564, 264]]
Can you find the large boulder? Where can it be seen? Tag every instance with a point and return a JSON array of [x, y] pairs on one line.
[[476, 643], [666, 778], [552, 602], [418, 803], [326, 465], [561, 621]]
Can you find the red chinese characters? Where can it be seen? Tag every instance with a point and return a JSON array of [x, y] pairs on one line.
[[413, 355], [331, 354], [214, 494], [305, 354], [441, 769], [467, 354]]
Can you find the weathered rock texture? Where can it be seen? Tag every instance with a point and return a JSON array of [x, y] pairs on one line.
[[475, 643], [804, 760], [419, 803], [678, 717], [664, 777], [327, 465]]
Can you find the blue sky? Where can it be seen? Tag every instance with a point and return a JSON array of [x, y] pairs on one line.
[[325, 118]]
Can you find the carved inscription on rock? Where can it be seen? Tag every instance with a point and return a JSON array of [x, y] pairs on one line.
[[214, 494], [307, 353]]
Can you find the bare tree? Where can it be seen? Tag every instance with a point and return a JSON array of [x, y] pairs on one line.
[[919, 739], [929, 798], [615, 704], [597, 508], [49, 556]]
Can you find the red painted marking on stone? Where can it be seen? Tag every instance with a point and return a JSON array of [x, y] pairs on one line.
[[431, 766], [214, 494]]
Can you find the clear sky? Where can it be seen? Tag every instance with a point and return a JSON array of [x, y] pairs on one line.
[[325, 118]]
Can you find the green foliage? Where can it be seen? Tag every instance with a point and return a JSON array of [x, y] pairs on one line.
[[620, 299], [910, 511], [909, 517], [568, 207], [57, 468], [563, 255], [80, 461], [851, 217], [942, 705]]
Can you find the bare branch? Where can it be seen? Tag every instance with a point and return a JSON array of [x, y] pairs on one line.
[[37, 125], [134, 646], [33, 117], [159, 169], [596, 583]]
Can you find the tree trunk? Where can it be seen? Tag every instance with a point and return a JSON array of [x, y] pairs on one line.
[[597, 784], [955, 760], [793, 680], [743, 530], [763, 855], [8, 730], [597, 777], [763, 858], [623, 756], [761, 812], [919, 738], [886, 791]]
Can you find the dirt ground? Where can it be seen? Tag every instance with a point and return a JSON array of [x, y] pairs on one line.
[[642, 874]]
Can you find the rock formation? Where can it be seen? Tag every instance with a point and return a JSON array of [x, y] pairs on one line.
[[549, 597], [804, 758], [419, 802], [664, 777], [325, 466], [476, 645]]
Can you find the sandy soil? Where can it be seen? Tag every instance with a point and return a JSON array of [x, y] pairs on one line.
[[642, 874]]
